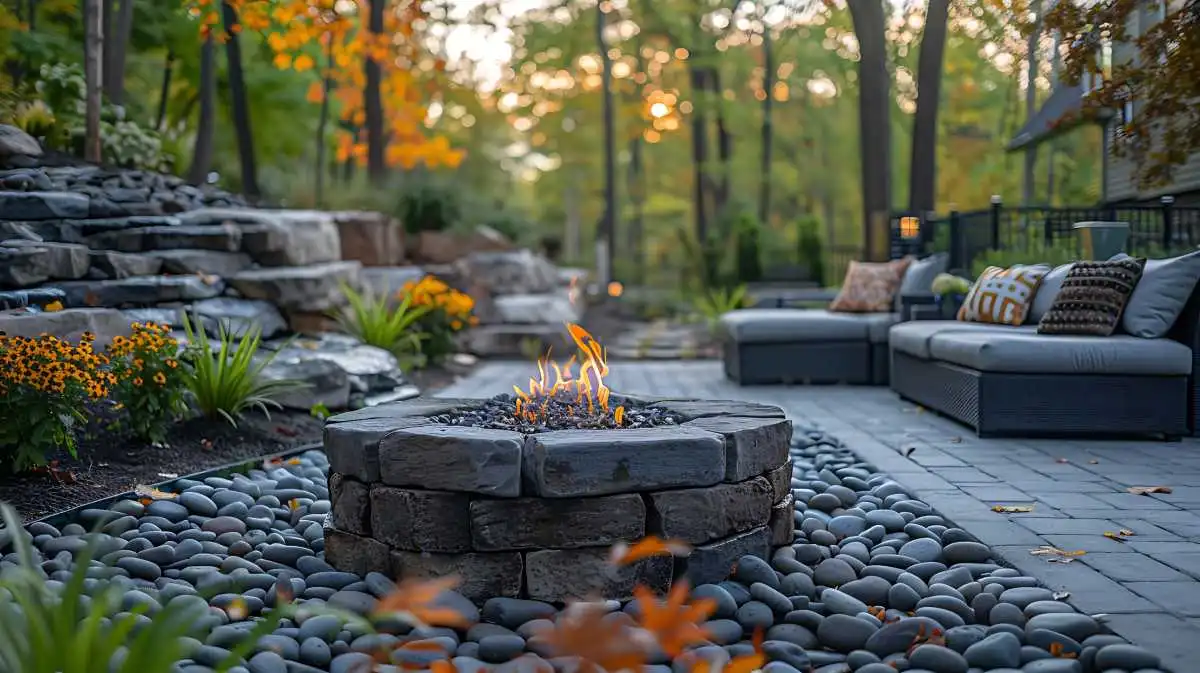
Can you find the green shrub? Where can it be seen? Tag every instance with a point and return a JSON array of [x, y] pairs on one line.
[[748, 234], [226, 381], [1035, 251], [810, 248], [380, 322], [714, 303], [429, 206]]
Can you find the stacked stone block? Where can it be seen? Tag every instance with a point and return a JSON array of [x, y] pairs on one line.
[[537, 515]]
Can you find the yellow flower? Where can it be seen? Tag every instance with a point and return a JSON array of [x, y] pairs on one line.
[[137, 381], [160, 378]]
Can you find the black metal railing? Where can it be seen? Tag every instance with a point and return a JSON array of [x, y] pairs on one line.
[[1156, 230]]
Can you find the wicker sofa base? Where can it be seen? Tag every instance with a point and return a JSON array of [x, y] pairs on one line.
[[1035, 405], [850, 362]]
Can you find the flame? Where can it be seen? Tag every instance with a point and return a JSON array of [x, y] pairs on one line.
[[558, 381]]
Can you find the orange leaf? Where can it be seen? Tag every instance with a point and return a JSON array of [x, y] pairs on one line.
[[316, 93], [624, 554], [582, 631], [414, 600], [674, 623], [748, 663], [282, 61], [303, 62]]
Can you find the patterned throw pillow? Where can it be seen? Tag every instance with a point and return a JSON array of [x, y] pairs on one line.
[[1093, 297], [1002, 296], [870, 287]]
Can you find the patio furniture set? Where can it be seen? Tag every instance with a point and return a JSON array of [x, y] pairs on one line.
[[1093, 347]]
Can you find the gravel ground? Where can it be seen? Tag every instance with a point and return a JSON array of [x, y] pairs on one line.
[[876, 582]]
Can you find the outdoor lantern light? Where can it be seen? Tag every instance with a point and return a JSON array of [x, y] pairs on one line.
[[910, 227]]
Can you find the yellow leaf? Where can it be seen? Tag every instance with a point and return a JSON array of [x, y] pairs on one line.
[[302, 63], [316, 93], [282, 61], [1047, 550], [143, 491], [1114, 536], [1012, 509], [53, 306]]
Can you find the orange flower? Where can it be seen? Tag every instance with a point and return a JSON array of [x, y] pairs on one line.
[[414, 600], [675, 623]]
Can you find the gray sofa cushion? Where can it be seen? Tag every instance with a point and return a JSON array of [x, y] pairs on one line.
[[793, 325], [1047, 292], [1160, 295], [918, 278], [1031, 353], [913, 337]]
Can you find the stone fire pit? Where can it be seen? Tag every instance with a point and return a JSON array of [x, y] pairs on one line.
[[535, 515]]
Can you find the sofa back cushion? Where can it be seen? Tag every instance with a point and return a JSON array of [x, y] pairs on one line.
[[1002, 296], [870, 287], [1160, 295], [1047, 293], [918, 278], [1092, 298]]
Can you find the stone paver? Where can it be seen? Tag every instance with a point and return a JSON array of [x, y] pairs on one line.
[[1148, 586]]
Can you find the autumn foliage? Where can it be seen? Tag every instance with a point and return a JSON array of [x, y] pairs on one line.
[[329, 39]]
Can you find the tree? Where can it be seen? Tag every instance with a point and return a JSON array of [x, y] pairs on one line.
[[922, 186], [373, 95], [1162, 80], [1029, 172], [202, 152], [241, 106], [608, 226], [874, 123], [118, 27], [93, 76]]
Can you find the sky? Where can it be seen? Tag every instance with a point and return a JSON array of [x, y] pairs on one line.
[[489, 49]]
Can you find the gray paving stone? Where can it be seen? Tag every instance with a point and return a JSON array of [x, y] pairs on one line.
[[1187, 561], [1089, 543], [1131, 568], [1181, 598], [1131, 501], [1170, 637], [1070, 526]]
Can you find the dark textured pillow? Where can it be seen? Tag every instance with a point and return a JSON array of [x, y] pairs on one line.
[[1092, 298]]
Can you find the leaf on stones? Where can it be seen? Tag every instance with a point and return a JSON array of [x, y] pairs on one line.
[[143, 491], [1058, 651], [208, 278], [53, 306], [1061, 595], [747, 663], [583, 632], [1012, 509], [1148, 490], [675, 623], [624, 554], [415, 601]]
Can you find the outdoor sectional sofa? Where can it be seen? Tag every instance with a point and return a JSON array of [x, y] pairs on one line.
[[1010, 380], [794, 345]]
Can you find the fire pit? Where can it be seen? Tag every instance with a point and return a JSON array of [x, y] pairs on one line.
[[523, 495]]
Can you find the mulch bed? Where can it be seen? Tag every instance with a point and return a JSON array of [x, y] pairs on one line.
[[108, 464]]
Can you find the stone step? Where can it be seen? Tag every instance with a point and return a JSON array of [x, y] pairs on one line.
[[76, 231], [139, 290], [43, 205], [300, 289], [24, 263], [223, 238], [70, 323], [235, 316], [211, 262], [111, 265]]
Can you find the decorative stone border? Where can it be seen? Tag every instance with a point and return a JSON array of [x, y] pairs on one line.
[[536, 515]]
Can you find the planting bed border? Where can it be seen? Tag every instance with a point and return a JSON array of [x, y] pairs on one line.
[[534, 515]]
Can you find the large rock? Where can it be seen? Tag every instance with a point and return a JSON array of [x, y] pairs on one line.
[[752, 445], [299, 288], [484, 575], [323, 382], [214, 262], [419, 520], [444, 247], [11, 230], [238, 316], [36, 297], [517, 340], [23, 267], [573, 463], [533, 523], [76, 231], [453, 458], [171, 315], [69, 324], [222, 238], [374, 239], [65, 261], [713, 562], [113, 265], [16, 143], [140, 290], [535, 309], [292, 238], [42, 205], [700, 515], [370, 369], [506, 273]]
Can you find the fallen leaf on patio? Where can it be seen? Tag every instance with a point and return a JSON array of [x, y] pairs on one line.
[[143, 491], [907, 451], [1114, 536], [1048, 550], [1061, 460], [1012, 509], [1061, 595], [956, 440], [1060, 559], [206, 443], [1147, 490], [1093, 462], [1126, 532]]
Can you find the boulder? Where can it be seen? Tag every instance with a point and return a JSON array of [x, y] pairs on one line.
[[299, 288], [23, 267], [292, 238], [371, 238], [505, 273], [25, 180], [11, 230], [214, 262], [322, 382], [171, 315], [16, 143], [42, 205], [140, 290], [443, 247], [58, 261], [237, 316], [517, 340], [110, 265], [105, 323], [532, 309], [369, 369], [223, 238], [37, 297]]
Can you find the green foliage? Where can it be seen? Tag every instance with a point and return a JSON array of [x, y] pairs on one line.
[[150, 384], [429, 206], [747, 232], [320, 411], [512, 225], [379, 321], [810, 249], [46, 387], [946, 284], [716, 302], [227, 380], [1035, 251]]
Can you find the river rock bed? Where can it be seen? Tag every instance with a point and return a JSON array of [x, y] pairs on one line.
[[876, 582]]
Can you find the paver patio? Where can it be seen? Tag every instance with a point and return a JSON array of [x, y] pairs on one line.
[[1149, 586]]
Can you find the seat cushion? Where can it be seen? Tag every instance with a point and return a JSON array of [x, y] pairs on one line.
[[1031, 353], [791, 325], [913, 337]]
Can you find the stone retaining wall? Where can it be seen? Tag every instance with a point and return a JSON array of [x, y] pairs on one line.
[[536, 515]]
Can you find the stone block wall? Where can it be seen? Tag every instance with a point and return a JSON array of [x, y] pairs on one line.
[[537, 515]]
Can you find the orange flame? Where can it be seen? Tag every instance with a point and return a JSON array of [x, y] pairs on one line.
[[554, 380]]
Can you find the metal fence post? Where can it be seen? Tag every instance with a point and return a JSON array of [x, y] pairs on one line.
[[956, 241], [1168, 235], [996, 206]]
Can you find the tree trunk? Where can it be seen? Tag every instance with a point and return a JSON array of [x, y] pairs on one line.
[[874, 107], [118, 48], [922, 188], [1056, 70], [202, 153], [373, 100], [724, 148], [607, 236], [1028, 188], [637, 188], [699, 153], [94, 77], [764, 170], [241, 107], [326, 85], [165, 94], [107, 13]]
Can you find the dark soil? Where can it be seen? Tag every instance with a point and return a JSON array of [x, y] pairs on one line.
[[109, 464]]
